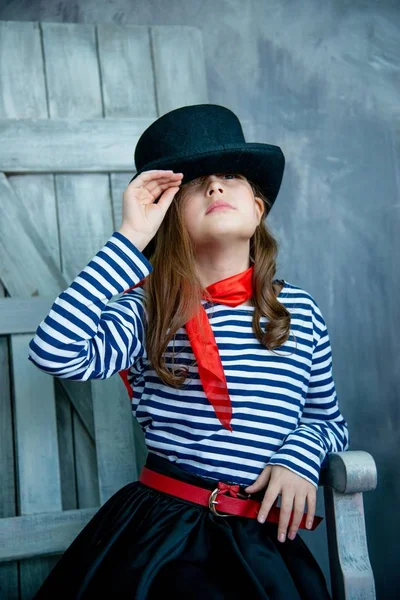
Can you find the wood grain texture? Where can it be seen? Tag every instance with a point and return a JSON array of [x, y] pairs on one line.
[[87, 477], [27, 268], [22, 89], [128, 90], [346, 476], [41, 534], [352, 577], [85, 215], [119, 182], [37, 194], [63, 145], [22, 315], [84, 207], [113, 421], [35, 420], [122, 51], [36, 197], [351, 471], [66, 447], [127, 74], [179, 67], [72, 70], [81, 398], [30, 270]]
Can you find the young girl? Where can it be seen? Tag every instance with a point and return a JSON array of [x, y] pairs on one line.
[[229, 373]]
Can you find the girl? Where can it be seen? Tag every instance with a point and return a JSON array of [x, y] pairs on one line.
[[229, 372]]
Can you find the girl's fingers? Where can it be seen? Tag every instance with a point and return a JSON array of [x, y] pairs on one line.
[[298, 512], [270, 497], [284, 514], [153, 184], [311, 507], [149, 176], [156, 185], [153, 174], [159, 189], [166, 198], [152, 190], [172, 178], [261, 481]]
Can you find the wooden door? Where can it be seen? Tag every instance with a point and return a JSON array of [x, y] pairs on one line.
[[74, 98]]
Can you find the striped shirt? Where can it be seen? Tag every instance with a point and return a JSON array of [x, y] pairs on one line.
[[284, 405]]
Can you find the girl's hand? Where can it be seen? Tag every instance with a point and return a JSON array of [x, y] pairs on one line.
[[141, 216], [292, 488]]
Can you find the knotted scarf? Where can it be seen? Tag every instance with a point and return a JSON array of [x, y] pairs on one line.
[[231, 291]]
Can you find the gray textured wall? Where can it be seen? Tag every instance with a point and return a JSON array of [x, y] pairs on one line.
[[322, 81]]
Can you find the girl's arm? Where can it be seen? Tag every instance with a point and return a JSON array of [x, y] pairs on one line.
[[86, 337], [322, 429]]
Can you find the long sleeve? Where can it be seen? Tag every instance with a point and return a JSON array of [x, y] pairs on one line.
[[85, 336], [321, 429]]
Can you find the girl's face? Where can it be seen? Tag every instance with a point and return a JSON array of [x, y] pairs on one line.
[[206, 224]]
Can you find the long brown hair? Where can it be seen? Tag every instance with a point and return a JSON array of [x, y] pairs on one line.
[[173, 291]]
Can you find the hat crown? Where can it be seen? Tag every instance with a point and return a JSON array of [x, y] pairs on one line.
[[189, 130]]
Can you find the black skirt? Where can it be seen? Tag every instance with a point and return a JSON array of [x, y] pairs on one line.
[[143, 544]]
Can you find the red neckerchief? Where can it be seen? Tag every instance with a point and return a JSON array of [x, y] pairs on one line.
[[231, 291]]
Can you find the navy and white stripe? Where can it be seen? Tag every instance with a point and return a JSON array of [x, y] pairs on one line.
[[285, 408]]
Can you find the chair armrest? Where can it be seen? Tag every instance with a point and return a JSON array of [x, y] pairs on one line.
[[350, 472], [344, 478]]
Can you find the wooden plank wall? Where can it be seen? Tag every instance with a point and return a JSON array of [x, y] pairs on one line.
[[23, 96], [85, 223], [75, 444]]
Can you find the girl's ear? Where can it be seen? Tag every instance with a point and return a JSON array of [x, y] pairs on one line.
[[260, 205]]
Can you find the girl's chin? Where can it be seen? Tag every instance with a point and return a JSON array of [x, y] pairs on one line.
[[224, 236]]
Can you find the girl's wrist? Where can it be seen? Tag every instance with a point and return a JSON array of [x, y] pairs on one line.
[[139, 240]]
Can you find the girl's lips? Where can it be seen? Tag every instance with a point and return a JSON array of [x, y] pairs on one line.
[[221, 207]]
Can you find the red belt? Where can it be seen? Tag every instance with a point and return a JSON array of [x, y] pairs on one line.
[[234, 504]]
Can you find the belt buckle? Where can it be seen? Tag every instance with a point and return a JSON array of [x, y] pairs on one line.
[[211, 504]]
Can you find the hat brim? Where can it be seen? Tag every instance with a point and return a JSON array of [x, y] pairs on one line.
[[262, 164]]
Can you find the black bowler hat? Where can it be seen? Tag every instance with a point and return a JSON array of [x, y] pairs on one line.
[[203, 139]]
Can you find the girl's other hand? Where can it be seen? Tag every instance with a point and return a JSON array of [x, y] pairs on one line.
[[293, 489]]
